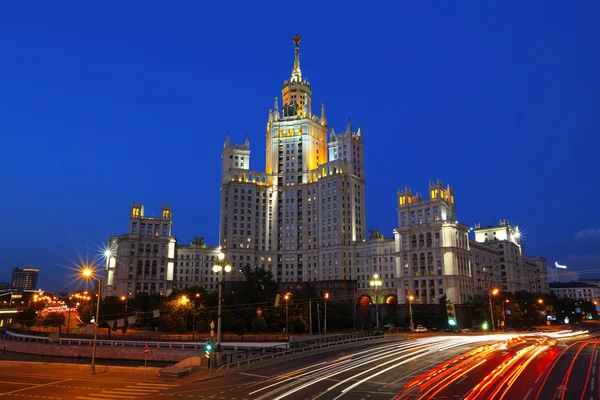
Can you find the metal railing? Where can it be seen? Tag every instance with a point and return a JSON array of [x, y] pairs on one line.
[[236, 366]]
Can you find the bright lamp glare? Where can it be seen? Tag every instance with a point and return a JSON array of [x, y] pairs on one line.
[[228, 268], [216, 268], [221, 256]]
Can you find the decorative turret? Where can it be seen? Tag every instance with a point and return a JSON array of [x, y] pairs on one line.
[[323, 117], [296, 91]]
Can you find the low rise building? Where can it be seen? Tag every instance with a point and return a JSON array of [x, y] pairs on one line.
[[575, 291]]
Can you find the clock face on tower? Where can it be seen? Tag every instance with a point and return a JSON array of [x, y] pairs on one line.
[[290, 110]]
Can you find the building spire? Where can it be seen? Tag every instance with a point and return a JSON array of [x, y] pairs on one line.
[[323, 117], [296, 73], [349, 127], [276, 109], [226, 144]]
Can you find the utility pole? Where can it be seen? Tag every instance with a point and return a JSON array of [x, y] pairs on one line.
[[319, 319], [310, 316], [325, 326]]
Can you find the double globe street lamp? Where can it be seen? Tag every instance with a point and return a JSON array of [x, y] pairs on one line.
[[219, 267], [375, 283]]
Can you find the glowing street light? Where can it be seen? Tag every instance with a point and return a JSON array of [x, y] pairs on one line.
[[375, 283], [493, 292], [326, 298], [286, 297], [410, 300], [540, 301], [88, 273]]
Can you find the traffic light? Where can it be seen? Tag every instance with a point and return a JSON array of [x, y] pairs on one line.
[[208, 348], [451, 311], [484, 325]]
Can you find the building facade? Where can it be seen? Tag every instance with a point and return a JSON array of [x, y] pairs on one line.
[[25, 278], [432, 248], [142, 260], [576, 291], [302, 217]]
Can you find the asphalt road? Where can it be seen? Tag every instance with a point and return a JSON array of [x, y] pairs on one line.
[[452, 367], [370, 372]]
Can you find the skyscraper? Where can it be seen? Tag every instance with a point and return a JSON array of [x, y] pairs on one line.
[[24, 278], [301, 217]]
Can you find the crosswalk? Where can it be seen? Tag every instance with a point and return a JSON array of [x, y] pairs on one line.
[[131, 391]]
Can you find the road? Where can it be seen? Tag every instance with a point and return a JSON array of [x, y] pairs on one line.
[[559, 366]]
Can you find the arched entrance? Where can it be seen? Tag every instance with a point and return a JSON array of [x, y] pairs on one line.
[[364, 301]]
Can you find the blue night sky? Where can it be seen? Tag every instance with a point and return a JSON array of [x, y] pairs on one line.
[[101, 104]]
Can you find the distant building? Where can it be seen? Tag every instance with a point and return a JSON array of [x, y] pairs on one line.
[[575, 291], [25, 278], [142, 260], [5, 286], [560, 273]]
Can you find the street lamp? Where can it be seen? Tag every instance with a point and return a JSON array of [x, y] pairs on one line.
[[540, 301], [88, 273], [410, 300], [286, 297], [125, 299], [494, 292], [376, 282], [504, 312], [219, 266], [326, 298]]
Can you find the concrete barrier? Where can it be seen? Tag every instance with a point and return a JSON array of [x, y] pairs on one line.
[[85, 351]]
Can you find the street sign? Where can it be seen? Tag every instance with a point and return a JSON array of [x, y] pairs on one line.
[[258, 312], [146, 350], [212, 324], [212, 333]]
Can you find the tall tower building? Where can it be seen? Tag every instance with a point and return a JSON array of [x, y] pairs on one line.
[[301, 217], [432, 248]]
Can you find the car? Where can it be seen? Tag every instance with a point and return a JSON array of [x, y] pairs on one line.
[[420, 329]]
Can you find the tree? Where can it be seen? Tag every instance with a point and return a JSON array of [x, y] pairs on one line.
[[27, 318], [55, 320], [172, 324], [259, 324]]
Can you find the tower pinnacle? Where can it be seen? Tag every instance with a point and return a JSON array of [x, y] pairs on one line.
[[296, 73]]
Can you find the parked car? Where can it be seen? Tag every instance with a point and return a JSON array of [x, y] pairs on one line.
[[420, 329]]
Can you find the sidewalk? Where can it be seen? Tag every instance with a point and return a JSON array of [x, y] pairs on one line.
[[104, 372]]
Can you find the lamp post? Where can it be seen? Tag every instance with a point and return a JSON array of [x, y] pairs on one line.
[[410, 300], [504, 312], [87, 272], [326, 298], [286, 297], [194, 317], [375, 283], [125, 299], [219, 266], [493, 292]]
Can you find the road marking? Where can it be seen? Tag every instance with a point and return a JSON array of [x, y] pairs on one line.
[[462, 379], [112, 395], [165, 385], [35, 387], [592, 384], [253, 375], [539, 377], [17, 383], [138, 390], [90, 398], [528, 393]]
